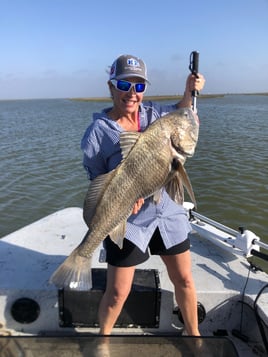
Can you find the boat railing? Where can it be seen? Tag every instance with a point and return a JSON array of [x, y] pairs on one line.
[[239, 242]]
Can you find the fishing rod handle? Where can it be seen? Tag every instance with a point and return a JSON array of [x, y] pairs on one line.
[[194, 62], [193, 67]]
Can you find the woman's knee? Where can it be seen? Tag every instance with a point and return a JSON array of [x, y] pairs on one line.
[[119, 284], [179, 270], [120, 294], [184, 280]]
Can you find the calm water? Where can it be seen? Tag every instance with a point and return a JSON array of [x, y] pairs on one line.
[[41, 170]]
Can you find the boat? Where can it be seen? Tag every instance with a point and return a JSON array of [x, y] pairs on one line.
[[37, 319]]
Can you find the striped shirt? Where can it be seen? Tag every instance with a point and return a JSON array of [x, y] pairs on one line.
[[102, 153]]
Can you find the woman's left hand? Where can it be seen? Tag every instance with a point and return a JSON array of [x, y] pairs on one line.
[[195, 82]]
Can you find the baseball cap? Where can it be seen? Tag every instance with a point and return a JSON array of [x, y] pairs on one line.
[[126, 66]]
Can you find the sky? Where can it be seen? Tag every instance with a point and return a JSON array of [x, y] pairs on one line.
[[63, 48]]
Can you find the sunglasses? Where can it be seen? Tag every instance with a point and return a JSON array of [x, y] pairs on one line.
[[126, 86]]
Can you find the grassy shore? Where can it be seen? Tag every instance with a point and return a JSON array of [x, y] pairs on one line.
[[163, 97], [152, 97]]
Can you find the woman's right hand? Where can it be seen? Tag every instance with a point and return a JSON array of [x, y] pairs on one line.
[[138, 205]]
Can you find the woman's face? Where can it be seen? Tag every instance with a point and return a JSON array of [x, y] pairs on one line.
[[126, 102]]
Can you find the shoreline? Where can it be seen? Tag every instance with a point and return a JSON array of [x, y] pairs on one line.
[[146, 98], [162, 97]]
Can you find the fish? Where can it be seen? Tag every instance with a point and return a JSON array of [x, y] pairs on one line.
[[151, 160]]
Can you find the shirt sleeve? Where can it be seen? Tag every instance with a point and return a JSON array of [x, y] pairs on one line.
[[93, 160], [101, 149]]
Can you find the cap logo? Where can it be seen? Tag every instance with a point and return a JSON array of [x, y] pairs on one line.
[[132, 62]]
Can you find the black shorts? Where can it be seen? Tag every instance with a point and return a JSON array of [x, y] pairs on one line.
[[131, 255]]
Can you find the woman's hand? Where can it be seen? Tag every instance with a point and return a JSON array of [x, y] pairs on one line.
[[192, 83], [195, 82], [138, 205]]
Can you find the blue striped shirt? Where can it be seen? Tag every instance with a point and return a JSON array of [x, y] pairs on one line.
[[102, 153]]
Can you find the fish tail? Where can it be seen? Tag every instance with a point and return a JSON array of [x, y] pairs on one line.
[[74, 273]]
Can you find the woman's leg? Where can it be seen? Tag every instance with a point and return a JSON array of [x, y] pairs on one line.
[[179, 270], [118, 286]]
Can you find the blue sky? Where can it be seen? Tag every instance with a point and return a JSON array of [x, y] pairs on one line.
[[62, 48]]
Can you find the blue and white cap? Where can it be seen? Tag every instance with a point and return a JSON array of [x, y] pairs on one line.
[[126, 66]]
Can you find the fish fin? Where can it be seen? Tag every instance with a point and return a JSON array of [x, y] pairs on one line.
[[187, 183], [127, 140], [118, 234], [175, 187], [94, 194], [74, 273]]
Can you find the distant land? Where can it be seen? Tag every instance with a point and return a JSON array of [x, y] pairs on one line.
[[163, 97], [152, 97]]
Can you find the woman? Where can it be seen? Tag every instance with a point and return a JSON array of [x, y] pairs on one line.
[[161, 228]]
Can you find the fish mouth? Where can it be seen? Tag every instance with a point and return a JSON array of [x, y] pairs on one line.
[[181, 152], [185, 150]]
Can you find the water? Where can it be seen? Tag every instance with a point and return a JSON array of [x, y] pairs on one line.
[[41, 170]]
